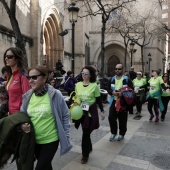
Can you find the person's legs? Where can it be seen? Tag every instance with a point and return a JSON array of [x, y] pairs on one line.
[[156, 109], [113, 118], [122, 117], [86, 145], [138, 104], [150, 105], [165, 101], [44, 154]]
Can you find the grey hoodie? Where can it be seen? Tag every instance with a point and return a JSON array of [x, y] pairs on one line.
[[61, 115]]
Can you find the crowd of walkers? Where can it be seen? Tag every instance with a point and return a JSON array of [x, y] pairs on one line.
[[40, 117]]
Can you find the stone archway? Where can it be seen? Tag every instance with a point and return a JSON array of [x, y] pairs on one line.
[[52, 42], [112, 62]]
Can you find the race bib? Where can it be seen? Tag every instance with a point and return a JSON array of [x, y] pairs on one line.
[[85, 106], [152, 88]]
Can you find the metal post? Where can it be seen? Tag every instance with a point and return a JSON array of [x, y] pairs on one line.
[[73, 24], [149, 64], [131, 56]]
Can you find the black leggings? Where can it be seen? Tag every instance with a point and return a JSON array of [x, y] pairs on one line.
[[153, 103], [86, 143], [165, 101], [138, 104], [44, 154]]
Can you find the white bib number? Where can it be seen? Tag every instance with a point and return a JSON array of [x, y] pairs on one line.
[[85, 106]]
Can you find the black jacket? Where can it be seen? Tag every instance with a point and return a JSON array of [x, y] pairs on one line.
[[14, 141]]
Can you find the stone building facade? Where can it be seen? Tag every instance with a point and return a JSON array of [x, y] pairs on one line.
[[42, 21]]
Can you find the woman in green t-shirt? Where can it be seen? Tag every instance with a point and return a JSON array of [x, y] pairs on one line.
[[89, 94], [165, 96], [49, 115], [137, 83], [155, 84]]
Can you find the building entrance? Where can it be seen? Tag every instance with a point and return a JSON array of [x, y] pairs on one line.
[[112, 62]]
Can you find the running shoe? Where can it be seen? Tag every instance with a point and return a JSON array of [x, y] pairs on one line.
[[112, 138], [120, 138]]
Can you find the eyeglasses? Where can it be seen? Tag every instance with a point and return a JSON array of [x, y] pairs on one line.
[[34, 77], [9, 56], [85, 73], [138, 74], [118, 68]]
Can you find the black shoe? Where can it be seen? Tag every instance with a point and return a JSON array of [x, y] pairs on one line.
[[84, 160], [131, 113], [156, 120], [162, 119], [151, 117]]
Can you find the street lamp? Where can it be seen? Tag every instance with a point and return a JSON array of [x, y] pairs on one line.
[[131, 51], [73, 15], [164, 60], [150, 59]]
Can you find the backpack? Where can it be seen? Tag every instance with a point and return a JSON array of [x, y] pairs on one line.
[[128, 95]]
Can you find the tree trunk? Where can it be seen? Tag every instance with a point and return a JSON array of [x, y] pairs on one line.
[[11, 11], [142, 59], [102, 45]]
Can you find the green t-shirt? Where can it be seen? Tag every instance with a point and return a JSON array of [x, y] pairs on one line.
[[137, 83], [118, 85], [164, 93], [155, 84], [88, 93], [39, 111]]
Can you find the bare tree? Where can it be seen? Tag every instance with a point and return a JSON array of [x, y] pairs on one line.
[[11, 11], [105, 8]]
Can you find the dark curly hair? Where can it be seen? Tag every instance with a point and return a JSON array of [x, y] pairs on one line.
[[92, 72]]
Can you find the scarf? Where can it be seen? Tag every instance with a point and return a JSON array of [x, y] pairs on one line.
[[42, 92]]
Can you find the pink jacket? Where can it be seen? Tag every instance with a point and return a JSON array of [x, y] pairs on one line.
[[17, 87]]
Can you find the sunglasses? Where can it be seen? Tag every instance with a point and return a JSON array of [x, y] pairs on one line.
[[165, 76], [85, 73], [138, 74], [9, 56], [34, 77], [118, 68]]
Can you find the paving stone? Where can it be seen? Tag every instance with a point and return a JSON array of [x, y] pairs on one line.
[[146, 148], [117, 166]]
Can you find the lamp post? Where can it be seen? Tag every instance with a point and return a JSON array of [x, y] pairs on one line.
[[163, 60], [73, 15], [131, 51], [150, 59]]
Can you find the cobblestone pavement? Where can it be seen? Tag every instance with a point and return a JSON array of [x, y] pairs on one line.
[[146, 146]]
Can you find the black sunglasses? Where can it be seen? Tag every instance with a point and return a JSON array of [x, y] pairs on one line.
[[34, 77], [118, 68], [9, 56]]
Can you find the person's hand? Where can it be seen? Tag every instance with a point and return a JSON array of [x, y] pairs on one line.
[[167, 90], [102, 115], [25, 127], [115, 93]]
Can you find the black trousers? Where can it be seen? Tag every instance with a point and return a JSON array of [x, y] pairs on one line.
[[138, 104], [44, 154], [86, 143], [165, 101], [122, 119], [153, 103]]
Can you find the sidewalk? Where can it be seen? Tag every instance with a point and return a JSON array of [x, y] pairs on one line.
[[146, 146]]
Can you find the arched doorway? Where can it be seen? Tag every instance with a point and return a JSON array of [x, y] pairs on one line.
[[112, 62], [52, 44]]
